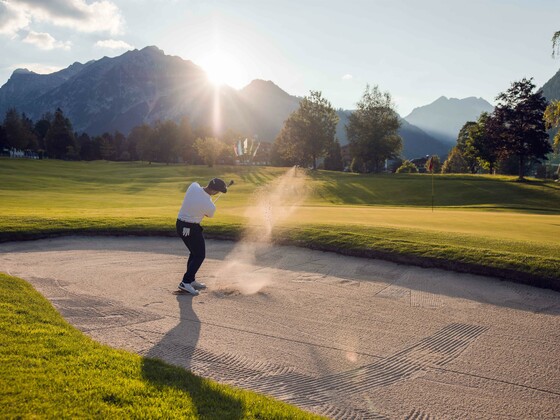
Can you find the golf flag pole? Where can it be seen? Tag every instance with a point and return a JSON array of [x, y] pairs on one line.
[[431, 169], [432, 191]]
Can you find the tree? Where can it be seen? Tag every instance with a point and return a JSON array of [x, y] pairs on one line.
[[28, 133], [186, 141], [60, 137], [486, 139], [480, 143], [407, 167], [41, 127], [357, 165], [121, 146], [19, 131], [333, 160], [139, 142], [276, 158], [372, 129], [552, 120], [465, 143], [308, 131], [455, 164], [3, 140], [209, 149], [107, 147], [87, 148], [519, 114], [165, 139]]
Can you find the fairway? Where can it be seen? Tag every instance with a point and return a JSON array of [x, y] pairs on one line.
[[490, 221]]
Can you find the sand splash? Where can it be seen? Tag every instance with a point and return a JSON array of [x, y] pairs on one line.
[[273, 204]]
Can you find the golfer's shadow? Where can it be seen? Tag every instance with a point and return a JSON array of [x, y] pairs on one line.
[[178, 347]]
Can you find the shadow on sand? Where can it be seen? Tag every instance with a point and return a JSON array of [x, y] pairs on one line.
[[178, 347]]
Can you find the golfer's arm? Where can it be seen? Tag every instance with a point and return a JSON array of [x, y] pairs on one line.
[[211, 210]]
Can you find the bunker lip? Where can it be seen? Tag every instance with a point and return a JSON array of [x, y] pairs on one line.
[[514, 276]]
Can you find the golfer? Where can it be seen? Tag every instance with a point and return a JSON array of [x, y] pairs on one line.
[[196, 204]]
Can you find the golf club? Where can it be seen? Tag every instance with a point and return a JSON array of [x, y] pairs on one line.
[[228, 185]]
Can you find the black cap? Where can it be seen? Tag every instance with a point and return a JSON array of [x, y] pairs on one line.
[[218, 184]]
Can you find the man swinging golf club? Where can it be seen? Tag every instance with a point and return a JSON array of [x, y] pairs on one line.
[[196, 204]]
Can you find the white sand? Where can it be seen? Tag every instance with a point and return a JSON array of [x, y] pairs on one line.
[[341, 336]]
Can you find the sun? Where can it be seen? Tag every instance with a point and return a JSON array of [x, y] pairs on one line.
[[224, 69]]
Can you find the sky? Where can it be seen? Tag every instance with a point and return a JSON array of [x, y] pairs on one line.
[[415, 50]]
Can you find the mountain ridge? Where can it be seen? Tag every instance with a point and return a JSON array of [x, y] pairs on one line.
[[444, 117], [146, 85]]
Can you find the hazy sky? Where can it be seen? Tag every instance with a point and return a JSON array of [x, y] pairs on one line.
[[416, 50]]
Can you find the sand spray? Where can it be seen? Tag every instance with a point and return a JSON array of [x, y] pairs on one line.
[[272, 204]]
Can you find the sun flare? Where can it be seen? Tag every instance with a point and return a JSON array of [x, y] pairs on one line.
[[224, 69]]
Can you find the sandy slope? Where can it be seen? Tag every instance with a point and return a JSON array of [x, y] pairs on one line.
[[341, 336]]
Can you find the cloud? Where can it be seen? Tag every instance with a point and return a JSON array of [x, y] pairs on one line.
[[347, 77], [45, 41], [12, 18], [98, 16], [113, 44]]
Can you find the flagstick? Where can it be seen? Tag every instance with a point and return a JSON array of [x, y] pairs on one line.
[[432, 190]]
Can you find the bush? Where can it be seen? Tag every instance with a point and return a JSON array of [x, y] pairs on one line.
[[407, 168]]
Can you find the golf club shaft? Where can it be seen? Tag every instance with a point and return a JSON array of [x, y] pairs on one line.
[[220, 194]]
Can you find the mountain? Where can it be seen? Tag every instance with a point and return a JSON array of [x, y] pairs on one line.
[[444, 118], [111, 93], [25, 86], [143, 86], [416, 143], [269, 106], [551, 89]]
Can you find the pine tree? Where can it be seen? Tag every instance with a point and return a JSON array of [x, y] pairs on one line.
[[59, 140]]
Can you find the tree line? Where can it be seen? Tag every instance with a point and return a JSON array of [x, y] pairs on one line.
[[309, 133], [164, 141], [512, 137], [509, 140]]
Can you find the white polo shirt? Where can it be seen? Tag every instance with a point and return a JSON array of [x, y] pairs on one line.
[[196, 204]]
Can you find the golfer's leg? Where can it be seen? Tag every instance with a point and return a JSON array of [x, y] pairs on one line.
[[187, 276], [186, 238], [197, 246]]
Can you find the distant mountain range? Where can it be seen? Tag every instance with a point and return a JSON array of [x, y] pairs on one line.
[[143, 86], [551, 89], [444, 118]]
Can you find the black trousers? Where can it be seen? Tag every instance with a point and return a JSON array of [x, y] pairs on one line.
[[191, 234]]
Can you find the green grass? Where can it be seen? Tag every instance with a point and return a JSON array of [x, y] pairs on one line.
[[48, 369], [483, 224]]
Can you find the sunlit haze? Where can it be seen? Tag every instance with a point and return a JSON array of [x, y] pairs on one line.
[[224, 69], [418, 51]]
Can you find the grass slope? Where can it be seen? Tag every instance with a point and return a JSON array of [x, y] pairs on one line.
[[48, 369], [483, 224]]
